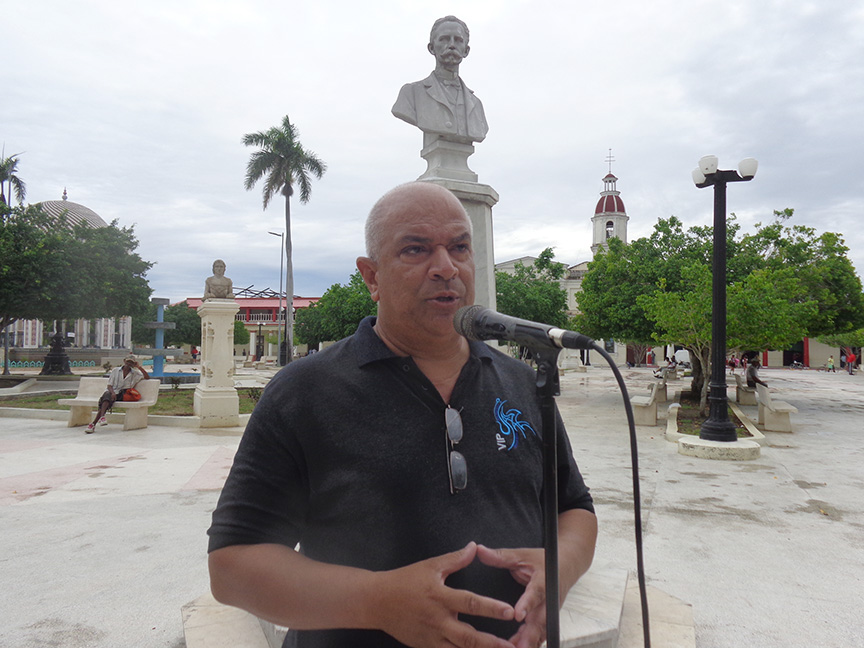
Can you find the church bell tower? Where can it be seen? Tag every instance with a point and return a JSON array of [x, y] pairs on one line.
[[610, 218]]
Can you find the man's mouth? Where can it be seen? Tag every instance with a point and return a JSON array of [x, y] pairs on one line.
[[445, 299]]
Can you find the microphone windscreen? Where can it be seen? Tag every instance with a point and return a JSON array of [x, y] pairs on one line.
[[463, 321]]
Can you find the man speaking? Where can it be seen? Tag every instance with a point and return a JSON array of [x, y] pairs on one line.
[[388, 490]]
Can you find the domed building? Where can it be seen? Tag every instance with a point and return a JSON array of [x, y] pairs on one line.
[[105, 333], [74, 212]]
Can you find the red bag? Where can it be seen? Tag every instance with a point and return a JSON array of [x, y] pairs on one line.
[[131, 394]]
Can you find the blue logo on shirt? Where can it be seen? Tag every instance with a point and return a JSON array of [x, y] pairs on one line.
[[510, 426]]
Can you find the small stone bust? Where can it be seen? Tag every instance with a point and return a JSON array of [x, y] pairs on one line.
[[218, 286]]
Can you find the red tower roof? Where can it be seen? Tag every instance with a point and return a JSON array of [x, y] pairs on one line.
[[610, 203]]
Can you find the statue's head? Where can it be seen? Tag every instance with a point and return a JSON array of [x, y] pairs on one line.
[[448, 40], [219, 267]]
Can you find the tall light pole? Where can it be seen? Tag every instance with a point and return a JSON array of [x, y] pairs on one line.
[[278, 326], [718, 427]]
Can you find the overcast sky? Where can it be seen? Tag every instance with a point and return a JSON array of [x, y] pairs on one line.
[[138, 110]]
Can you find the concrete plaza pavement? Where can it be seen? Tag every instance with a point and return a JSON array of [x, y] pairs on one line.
[[104, 535]]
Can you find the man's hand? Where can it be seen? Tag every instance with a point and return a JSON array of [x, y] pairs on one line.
[[577, 535], [419, 610], [411, 603], [528, 568]]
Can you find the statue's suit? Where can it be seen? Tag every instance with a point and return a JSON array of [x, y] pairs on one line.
[[425, 105]]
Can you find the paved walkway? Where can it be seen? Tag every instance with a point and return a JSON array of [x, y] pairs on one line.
[[103, 536]]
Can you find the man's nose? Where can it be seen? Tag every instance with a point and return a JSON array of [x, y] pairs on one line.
[[441, 266]]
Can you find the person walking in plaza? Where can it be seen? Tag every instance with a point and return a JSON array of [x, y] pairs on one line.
[[406, 463], [830, 364], [751, 374], [124, 377]]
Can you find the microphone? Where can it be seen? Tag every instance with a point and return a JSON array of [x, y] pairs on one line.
[[478, 323]]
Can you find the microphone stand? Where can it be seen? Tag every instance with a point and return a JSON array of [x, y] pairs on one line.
[[548, 387]]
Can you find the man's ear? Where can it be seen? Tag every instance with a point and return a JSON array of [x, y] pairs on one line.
[[369, 271], [467, 49], [431, 48]]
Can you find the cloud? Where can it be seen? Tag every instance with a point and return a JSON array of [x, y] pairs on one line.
[[138, 112]]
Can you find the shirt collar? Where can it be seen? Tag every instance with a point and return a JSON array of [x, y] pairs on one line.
[[370, 348]]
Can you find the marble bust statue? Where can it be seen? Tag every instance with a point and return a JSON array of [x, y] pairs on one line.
[[218, 286], [441, 104]]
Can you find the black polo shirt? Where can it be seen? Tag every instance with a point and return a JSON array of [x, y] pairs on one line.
[[347, 454]]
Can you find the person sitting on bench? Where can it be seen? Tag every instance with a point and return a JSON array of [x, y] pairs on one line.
[[122, 378], [751, 374]]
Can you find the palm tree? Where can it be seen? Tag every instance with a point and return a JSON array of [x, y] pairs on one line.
[[283, 161], [9, 178]]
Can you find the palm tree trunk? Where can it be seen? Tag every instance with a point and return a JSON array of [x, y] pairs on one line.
[[289, 286]]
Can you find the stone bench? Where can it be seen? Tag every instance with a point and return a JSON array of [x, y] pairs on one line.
[[645, 407], [774, 415], [744, 395], [662, 393], [91, 389]]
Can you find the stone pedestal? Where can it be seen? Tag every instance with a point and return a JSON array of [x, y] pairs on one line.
[[447, 165], [478, 200], [216, 401], [445, 159]]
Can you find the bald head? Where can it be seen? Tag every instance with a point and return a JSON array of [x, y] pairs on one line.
[[409, 197]]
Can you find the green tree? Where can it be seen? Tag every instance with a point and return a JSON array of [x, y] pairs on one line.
[[825, 281], [533, 292], [283, 162], [768, 310], [683, 316], [50, 271], [108, 278], [608, 303], [141, 335], [33, 263], [849, 339], [187, 325], [821, 265], [241, 333], [9, 180], [337, 314]]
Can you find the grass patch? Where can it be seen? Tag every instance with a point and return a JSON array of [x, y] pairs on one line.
[[172, 402], [690, 420]]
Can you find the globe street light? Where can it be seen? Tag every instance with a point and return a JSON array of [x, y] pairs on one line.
[[278, 326], [718, 427]]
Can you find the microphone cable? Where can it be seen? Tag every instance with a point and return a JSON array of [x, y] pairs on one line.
[[637, 497]]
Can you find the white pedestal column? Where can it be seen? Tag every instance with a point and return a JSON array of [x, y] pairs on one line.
[[216, 401], [478, 200]]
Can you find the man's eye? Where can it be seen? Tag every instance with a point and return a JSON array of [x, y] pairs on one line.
[[413, 250]]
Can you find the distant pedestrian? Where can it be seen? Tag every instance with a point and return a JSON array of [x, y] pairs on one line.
[[830, 365], [850, 362]]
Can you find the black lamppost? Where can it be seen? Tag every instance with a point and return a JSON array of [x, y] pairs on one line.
[[259, 342], [718, 427]]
